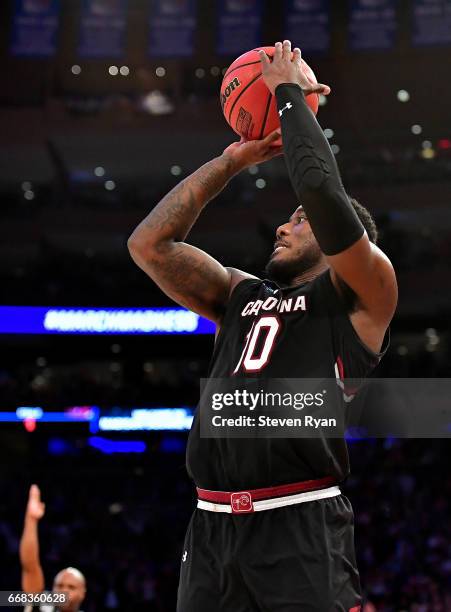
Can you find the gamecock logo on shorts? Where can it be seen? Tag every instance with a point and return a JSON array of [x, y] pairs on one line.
[[241, 502]]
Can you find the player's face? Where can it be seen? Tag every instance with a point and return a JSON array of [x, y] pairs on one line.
[[295, 250], [74, 587]]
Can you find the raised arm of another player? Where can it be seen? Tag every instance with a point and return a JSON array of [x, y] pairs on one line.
[[32, 574], [315, 178], [185, 273]]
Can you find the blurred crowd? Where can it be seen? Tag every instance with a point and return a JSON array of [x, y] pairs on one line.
[[401, 500], [121, 521]]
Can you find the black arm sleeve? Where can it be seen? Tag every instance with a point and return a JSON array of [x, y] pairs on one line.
[[314, 174]]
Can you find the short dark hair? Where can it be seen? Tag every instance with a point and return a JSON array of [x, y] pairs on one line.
[[365, 217]]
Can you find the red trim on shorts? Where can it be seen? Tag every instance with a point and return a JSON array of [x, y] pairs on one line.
[[223, 497]]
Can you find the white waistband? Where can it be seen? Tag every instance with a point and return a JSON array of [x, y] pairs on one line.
[[275, 502]]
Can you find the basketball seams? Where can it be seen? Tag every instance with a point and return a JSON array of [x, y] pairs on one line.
[[265, 118], [242, 92], [240, 66]]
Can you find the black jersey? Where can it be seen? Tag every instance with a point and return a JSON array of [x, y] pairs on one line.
[[271, 332]]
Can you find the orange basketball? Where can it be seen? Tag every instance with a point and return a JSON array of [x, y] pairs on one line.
[[248, 105]]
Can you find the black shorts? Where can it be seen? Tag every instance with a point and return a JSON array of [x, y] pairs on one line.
[[297, 558]]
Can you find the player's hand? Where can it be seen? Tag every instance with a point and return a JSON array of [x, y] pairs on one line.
[[35, 507], [246, 153], [286, 67]]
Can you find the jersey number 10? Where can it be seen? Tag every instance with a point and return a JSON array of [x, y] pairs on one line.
[[268, 325]]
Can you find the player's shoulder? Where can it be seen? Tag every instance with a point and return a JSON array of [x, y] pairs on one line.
[[237, 277]]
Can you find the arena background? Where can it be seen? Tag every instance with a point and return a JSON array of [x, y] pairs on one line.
[[104, 107]]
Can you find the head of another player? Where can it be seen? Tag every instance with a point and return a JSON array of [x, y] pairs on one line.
[[296, 250], [71, 581]]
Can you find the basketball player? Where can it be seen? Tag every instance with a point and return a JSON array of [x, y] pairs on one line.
[[69, 580], [272, 531]]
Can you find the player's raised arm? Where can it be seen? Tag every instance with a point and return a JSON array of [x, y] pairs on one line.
[[315, 178], [185, 273], [32, 574]]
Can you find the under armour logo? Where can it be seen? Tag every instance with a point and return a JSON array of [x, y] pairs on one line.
[[287, 105], [184, 556]]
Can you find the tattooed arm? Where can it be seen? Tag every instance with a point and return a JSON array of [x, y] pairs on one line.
[[185, 273]]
